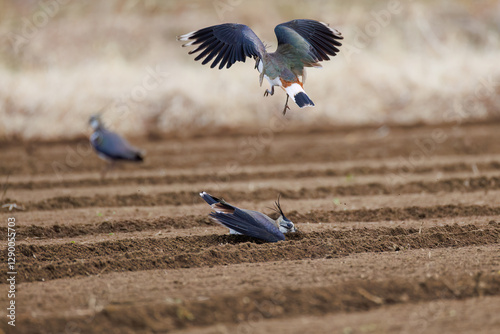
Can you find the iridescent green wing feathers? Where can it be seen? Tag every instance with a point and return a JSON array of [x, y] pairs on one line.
[[306, 42]]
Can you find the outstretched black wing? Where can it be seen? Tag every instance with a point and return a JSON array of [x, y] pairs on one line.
[[312, 41], [230, 42]]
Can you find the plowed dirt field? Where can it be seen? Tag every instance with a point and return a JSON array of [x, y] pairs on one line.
[[399, 232]]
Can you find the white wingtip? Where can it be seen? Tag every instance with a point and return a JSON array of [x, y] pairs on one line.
[[334, 31], [203, 193], [185, 37]]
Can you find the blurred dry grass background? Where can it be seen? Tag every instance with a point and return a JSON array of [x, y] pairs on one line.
[[431, 61]]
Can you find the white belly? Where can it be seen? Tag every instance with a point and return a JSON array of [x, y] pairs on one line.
[[273, 82]]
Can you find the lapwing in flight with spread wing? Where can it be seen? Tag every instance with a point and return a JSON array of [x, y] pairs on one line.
[[301, 43]]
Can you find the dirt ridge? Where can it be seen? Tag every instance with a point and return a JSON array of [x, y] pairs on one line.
[[471, 184], [316, 216], [297, 145], [266, 304], [385, 216], [246, 176], [37, 262]]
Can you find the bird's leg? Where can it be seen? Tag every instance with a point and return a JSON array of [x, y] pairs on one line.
[[107, 168], [269, 92], [286, 105], [104, 171]]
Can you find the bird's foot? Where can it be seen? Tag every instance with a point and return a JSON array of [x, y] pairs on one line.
[[269, 92], [104, 171], [285, 109], [286, 105]]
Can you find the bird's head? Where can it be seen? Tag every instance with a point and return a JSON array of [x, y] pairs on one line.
[[285, 225], [95, 121]]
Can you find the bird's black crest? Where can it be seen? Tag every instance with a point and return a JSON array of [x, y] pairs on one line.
[[278, 206]]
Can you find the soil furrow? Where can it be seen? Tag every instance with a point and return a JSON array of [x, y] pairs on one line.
[[388, 217], [231, 177], [285, 147], [69, 260], [315, 216], [178, 198], [252, 305]]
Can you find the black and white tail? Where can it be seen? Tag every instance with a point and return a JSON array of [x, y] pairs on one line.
[[299, 96], [218, 205]]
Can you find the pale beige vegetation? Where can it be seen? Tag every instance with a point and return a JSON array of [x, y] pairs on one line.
[[432, 61]]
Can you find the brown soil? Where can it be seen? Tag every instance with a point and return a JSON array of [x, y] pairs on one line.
[[394, 236]]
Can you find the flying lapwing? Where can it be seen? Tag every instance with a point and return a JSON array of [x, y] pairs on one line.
[[110, 146], [301, 43], [248, 222]]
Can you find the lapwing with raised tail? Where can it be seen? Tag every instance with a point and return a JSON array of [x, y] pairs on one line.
[[301, 43], [248, 222]]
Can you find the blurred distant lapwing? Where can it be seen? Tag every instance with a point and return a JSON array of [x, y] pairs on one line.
[[111, 147], [248, 222], [301, 43]]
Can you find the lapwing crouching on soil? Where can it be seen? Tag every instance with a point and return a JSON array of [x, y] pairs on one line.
[[301, 43], [110, 146], [248, 222]]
